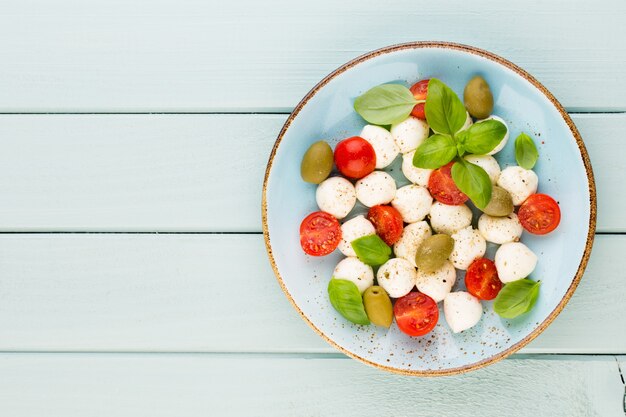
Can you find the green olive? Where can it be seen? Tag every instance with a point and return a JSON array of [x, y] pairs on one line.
[[478, 98], [317, 162], [501, 203], [433, 252], [378, 306]]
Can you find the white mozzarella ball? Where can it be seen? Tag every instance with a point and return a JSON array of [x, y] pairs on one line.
[[352, 269], [352, 230], [514, 261], [397, 277], [500, 229], [376, 188], [469, 244], [504, 140], [384, 146], [462, 310], [413, 202], [336, 196], [488, 163], [449, 219], [414, 174], [436, 284], [410, 133], [412, 237], [519, 182]]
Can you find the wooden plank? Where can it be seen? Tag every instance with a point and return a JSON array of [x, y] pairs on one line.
[[603, 139], [134, 173], [277, 385], [120, 56], [184, 172], [216, 293]]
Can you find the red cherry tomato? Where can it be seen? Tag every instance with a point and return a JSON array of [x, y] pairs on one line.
[[419, 111], [320, 233], [539, 214], [420, 91], [355, 157], [416, 313], [442, 187], [388, 223], [481, 279]]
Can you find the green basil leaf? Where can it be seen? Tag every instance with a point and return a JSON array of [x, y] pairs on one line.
[[435, 152], [385, 104], [483, 137], [461, 138], [516, 298], [371, 250], [526, 152], [473, 181], [346, 299], [445, 113]]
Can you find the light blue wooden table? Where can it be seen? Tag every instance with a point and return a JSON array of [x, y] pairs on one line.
[[133, 140]]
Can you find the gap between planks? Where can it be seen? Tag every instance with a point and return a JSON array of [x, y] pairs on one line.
[[291, 354], [48, 232], [246, 112]]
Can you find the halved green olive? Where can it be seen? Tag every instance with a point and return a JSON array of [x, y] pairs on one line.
[[378, 306], [501, 203], [317, 162], [433, 252], [478, 98]]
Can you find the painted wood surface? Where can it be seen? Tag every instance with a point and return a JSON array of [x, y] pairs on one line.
[[217, 293], [198, 55], [156, 299], [186, 172], [279, 385]]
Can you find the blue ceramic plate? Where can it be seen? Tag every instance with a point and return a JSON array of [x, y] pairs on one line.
[[564, 172]]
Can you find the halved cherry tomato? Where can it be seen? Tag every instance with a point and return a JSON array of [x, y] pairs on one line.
[[388, 223], [419, 111], [320, 233], [442, 187], [481, 279], [539, 214], [416, 313], [420, 91], [355, 157]]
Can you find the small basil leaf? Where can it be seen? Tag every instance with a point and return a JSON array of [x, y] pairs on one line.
[[461, 138], [435, 152], [371, 250], [473, 181], [516, 298], [483, 137], [346, 299], [460, 149], [525, 151], [385, 104], [445, 113]]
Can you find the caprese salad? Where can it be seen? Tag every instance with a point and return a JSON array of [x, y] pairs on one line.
[[403, 251]]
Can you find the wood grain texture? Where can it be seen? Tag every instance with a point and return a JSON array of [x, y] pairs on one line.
[[242, 385], [243, 55], [217, 293], [185, 172]]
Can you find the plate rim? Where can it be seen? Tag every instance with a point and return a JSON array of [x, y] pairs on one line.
[[583, 153]]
